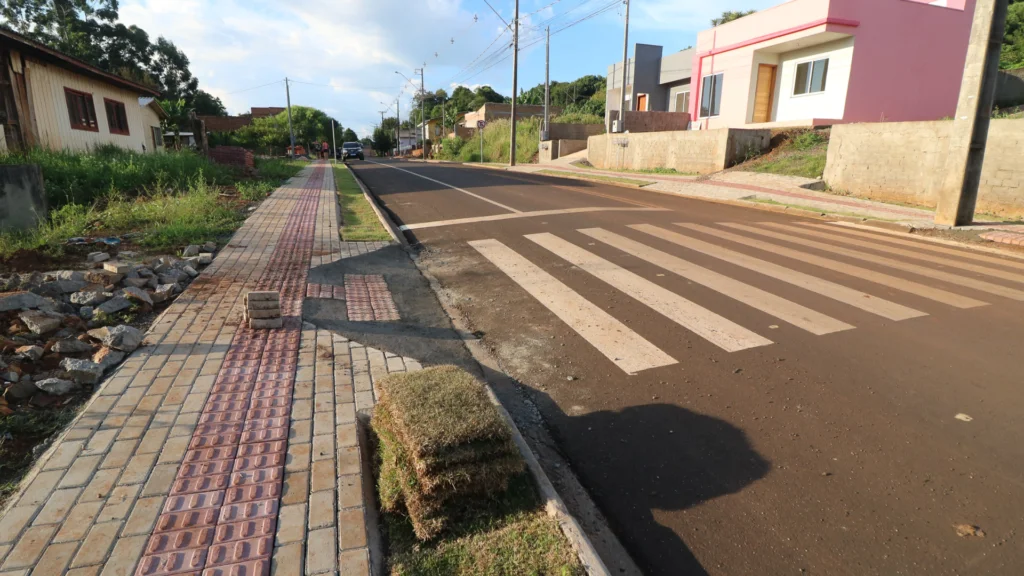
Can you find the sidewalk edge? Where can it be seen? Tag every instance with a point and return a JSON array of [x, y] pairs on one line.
[[382, 215], [554, 504]]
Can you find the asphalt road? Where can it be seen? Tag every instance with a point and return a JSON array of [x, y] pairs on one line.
[[748, 392]]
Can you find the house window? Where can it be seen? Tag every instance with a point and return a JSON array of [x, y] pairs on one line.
[[711, 96], [81, 110], [117, 117], [683, 101], [158, 137], [810, 77]]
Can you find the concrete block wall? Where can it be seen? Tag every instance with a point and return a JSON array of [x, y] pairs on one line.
[[22, 196], [566, 147], [232, 155], [574, 131], [905, 162], [653, 121], [688, 151]]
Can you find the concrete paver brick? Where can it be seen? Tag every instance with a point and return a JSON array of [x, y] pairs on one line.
[[160, 480], [321, 551], [28, 548], [40, 488], [63, 455], [101, 485], [321, 509], [143, 517], [119, 503], [14, 521], [288, 561], [56, 558], [57, 507], [291, 524], [78, 521]]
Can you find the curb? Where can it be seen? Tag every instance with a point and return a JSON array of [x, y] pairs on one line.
[[554, 504], [381, 214]]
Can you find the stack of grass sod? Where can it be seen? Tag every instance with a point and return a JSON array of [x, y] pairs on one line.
[[442, 444]]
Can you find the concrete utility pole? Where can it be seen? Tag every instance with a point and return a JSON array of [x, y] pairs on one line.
[[334, 142], [958, 195], [288, 97], [547, 88], [423, 118], [398, 127], [515, 84], [625, 67]]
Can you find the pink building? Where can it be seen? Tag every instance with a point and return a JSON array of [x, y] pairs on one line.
[[820, 62]]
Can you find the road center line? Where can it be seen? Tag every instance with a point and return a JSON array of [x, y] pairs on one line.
[[477, 196], [474, 219], [624, 347]]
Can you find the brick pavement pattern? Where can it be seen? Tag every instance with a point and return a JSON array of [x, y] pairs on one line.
[[1011, 238], [369, 299], [191, 457]]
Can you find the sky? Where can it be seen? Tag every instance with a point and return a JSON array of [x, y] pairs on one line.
[[343, 55]]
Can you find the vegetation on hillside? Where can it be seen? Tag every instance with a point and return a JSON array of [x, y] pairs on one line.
[[497, 143], [794, 153], [1013, 38]]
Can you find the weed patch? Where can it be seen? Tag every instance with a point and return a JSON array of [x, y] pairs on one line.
[[795, 153], [20, 432]]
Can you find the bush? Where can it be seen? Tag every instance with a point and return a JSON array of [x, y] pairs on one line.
[[497, 142], [451, 148], [577, 118], [84, 177], [809, 139]]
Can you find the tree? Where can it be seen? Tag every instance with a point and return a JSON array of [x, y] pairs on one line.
[[206, 104], [1013, 39], [383, 141], [730, 15], [367, 141], [66, 25], [177, 116], [349, 135]]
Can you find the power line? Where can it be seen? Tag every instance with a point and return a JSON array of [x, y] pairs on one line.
[[255, 87], [507, 25]]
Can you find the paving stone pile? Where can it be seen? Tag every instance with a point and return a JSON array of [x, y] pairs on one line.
[[62, 330]]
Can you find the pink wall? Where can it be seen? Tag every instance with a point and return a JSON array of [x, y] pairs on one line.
[[907, 65]]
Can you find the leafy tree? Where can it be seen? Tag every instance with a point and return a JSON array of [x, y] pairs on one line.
[[367, 141], [311, 127], [1013, 39], [66, 25], [349, 135], [383, 141], [206, 104], [177, 116], [730, 15], [585, 95]]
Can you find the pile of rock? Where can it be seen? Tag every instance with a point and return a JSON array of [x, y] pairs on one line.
[[60, 331], [263, 310]]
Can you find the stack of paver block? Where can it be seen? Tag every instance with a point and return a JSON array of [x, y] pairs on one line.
[[263, 310]]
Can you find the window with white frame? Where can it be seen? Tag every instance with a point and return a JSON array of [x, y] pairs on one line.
[[683, 101], [711, 95], [811, 77]]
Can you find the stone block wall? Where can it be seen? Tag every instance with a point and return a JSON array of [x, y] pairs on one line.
[[574, 131], [905, 162], [688, 151]]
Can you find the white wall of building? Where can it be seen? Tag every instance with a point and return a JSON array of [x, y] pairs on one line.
[[829, 104]]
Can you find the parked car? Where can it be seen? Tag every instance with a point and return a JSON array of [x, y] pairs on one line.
[[351, 150]]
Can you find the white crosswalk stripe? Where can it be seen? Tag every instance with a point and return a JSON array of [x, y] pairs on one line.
[[624, 347], [628, 349], [907, 286], [797, 315], [855, 298], [714, 328], [950, 277], [943, 261]]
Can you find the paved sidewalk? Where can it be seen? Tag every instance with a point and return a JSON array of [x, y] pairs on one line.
[[216, 449]]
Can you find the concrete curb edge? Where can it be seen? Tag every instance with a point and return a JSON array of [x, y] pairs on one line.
[[571, 528], [381, 214]]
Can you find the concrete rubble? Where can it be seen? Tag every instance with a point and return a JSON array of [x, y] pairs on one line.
[[62, 331]]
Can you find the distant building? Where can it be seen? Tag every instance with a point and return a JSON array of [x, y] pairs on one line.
[[53, 100], [232, 123], [654, 83], [496, 111]]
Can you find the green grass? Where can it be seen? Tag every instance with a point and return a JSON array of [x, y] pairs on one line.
[[20, 432], [83, 178], [577, 118], [801, 154], [497, 142], [508, 537], [168, 199], [359, 221], [658, 170], [596, 177]]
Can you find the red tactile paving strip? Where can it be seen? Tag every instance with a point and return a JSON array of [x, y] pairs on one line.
[[221, 514], [325, 291], [369, 299]]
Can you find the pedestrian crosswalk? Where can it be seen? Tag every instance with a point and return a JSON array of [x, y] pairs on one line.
[[816, 248]]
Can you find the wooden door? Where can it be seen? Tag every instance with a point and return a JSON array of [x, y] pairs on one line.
[[765, 94], [641, 103]]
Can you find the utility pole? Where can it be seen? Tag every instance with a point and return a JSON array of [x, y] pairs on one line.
[[515, 83], [423, 118], [625, 66], [958, 195], [334, 142], [288, 97], [546, 135], [398, 127]]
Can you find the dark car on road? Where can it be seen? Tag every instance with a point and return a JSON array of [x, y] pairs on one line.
[[351, 150]]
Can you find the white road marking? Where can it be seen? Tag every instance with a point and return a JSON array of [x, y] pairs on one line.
[[477, 196], [624, 347], [797, 315], [855, 298], [969, 248], [497, 217], [950, 277], [720, 331], [894, 282], [842, 237]]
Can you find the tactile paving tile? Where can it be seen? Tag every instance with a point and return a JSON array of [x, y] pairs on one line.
[[220, 516], [368, 298]]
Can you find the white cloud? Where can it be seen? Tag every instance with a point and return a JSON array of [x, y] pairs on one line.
[[688, 16]]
